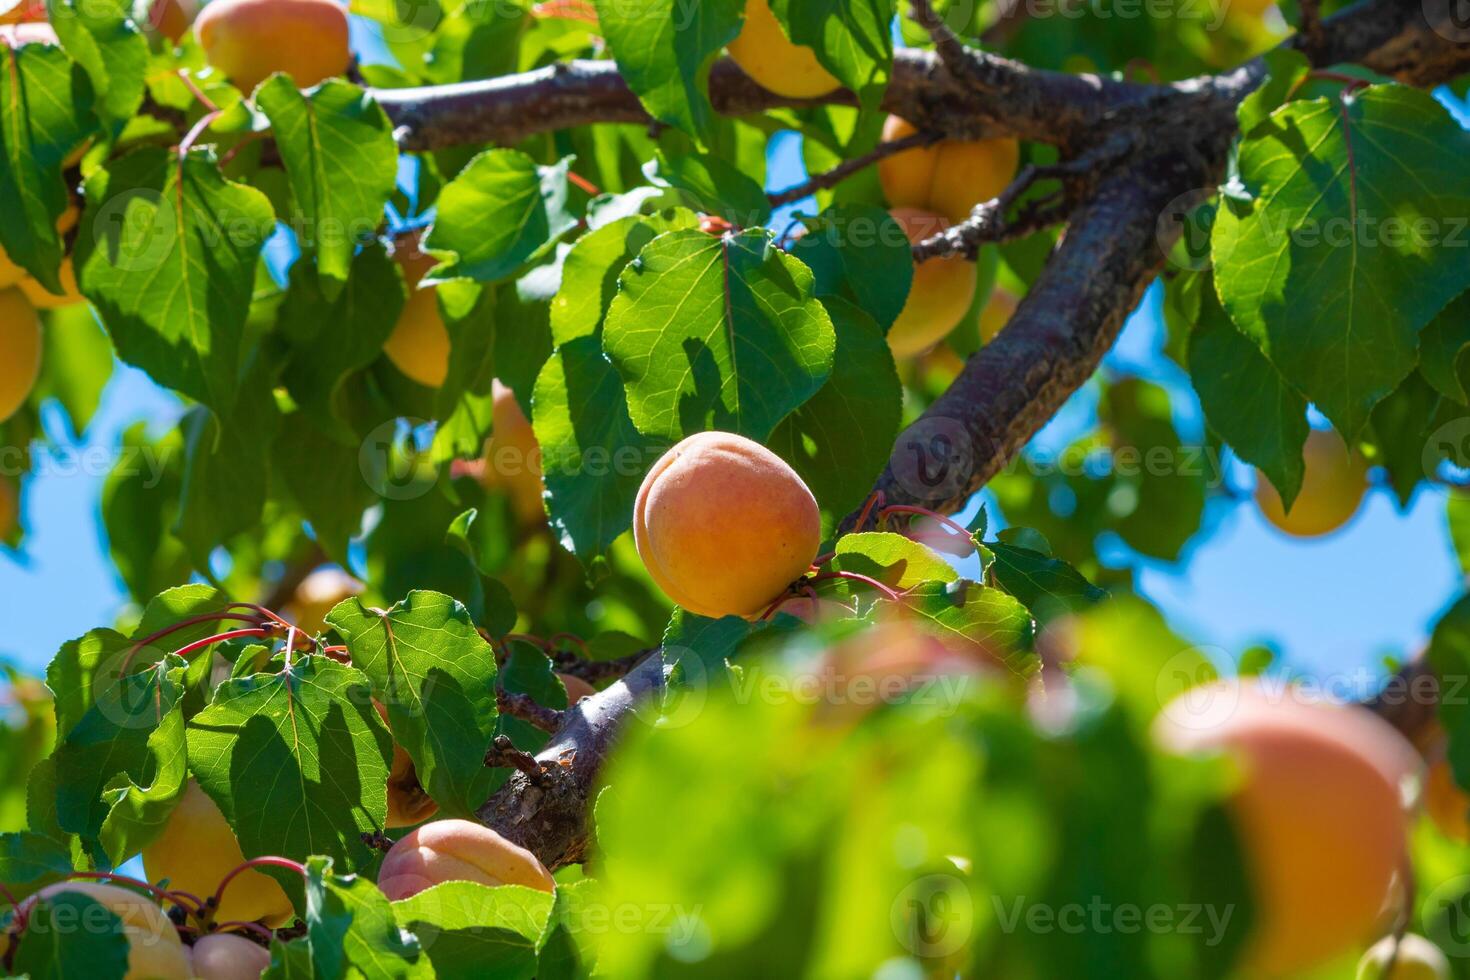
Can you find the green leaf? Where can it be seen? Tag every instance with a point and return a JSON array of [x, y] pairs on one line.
[[77, 365], [593, 457], [71, 934], [717, 333], [325, 480], [1287, 68], [502, 211], [1158, 493], [853, 39], [1442, 349], [568, 947], [1246, 400], [1457, 515], [858, 252], [43, 118], [528, 671], [1331, 265], [338, 149], [714, 186], [1047, 586], [470, 931], [896, 561], [840, 440], [1401, 426], [436, 676], [589, 279], [296, 761], [30, 862], [351, 929], [120, 769], [664, 49], [167, 254], [465, 403], [333, 339], [103, 41], [967, 614]]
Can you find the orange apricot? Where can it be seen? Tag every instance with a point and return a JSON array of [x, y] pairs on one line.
[[20, 351], [43, 299], [172, 18], [154, 949], [197, 849], [766, 54], [1333, 487], [21, 11], [457, 850], [408, 804], [1446, 803], [12, 274], [723, 525], [250, 40], [419, 344], [317, 595], [941, 294], [950, 176], [1319, 810], [225, 956], [513, 457], [577, 689]]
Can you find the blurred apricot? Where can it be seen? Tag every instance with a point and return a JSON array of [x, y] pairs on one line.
[[20, 351], [512, 460], [723, 525], [577, 689], [154, 949], [317, 595], [1319, 811], [250, 40], [457, 850], [766, 54], [950, 176], [1333, 487], [941, 294], [419, 344], [225, 956]]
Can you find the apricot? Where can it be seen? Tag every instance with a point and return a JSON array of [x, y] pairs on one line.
[[408, 804], [225, 956], [250, 40], [999, 309], [12, 274], [766, 54], [880, 665], [419, 344], [1447, 804], [457, 850], [1333, 487], [172, 18], [22, 11], [1417, 959], [317, 595], [950, 176], [723, 525], [154, 949], [513, 457], [197, 849], [43, 299], [20, 351], [941, 294], [577, 689], [1319, 812]]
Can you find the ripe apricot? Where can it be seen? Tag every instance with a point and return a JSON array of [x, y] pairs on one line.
[[1447, 804], [197, 849], [513, 457], [20, 350], [154, 949], [766, 54], [419, 344], [577, 689], [12, 274], [1319, 812], [21, 11], [950, 176], [317, 595], [1417, 959], [43, 299], [225, 956], [1333, 488], [172, 18], [457, 850], [941, 294], [250, 40], [408, 804], [723, 525], [999, 309]]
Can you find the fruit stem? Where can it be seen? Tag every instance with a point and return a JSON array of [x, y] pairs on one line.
[[210, 641], [205, 121], [571, 638], [875, 500], [9, 896], [185, 624], [955, 526], [197, 92], [154, 890], [575, 178], [535, 641], [858, 577]]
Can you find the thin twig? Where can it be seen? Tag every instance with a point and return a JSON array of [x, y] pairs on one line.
[[597, 671], [504, 754], [527, 709], [847, 168]]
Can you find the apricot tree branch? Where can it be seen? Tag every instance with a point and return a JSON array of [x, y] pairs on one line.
[[847, 168], [528, 709]]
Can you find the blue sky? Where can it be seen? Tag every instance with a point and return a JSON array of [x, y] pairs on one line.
[[1331, 606]]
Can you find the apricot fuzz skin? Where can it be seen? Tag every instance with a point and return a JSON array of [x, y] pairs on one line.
[[419, 344], [766, 54], [249, 40], [941, 294], [948, 177], [723, 525], [457, 850], [1333, 487]]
